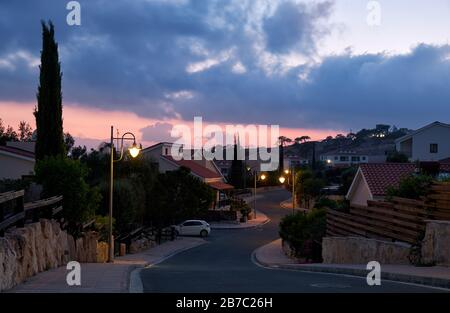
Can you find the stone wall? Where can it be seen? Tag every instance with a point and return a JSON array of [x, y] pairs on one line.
[[436, 243], [38, 247], [359, 250]]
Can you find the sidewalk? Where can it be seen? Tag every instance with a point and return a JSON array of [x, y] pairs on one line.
[[271, 255], [105, 277], [260, 219]]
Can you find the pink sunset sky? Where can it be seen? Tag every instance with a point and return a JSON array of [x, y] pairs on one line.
[[91, 126]]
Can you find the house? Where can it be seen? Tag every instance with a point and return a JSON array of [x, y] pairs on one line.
[[344, 158], [203, 169], [372, 180], [15, 162], [429, 143], [294, 161]]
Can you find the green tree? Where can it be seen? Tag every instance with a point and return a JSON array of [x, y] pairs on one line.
[[62, 176], [411, 187], [178, 195], [48, 113]]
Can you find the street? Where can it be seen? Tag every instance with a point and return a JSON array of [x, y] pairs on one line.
[[225, 265]]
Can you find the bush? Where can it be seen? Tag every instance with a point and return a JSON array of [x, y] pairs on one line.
[[304, 233], [411, 187], [66, 177], [127, 202]]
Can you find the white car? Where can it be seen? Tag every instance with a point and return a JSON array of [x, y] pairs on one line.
[[193, 228]]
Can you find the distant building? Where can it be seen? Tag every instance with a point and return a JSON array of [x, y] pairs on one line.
[[15, 162], [429, 143], [293, 161], [344, 158]]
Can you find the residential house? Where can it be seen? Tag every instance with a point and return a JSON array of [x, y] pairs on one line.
[[372, 180], [293, 161], [429, 143], [344, 158], [15, 162], [205, 170]]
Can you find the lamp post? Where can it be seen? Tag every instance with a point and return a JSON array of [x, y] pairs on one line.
[[255, 175], [134, 151], [282, 180]]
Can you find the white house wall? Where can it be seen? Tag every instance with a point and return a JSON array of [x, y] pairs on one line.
[[14, 167], [421, 141]]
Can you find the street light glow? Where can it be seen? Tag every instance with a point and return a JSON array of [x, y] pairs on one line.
[[282, 179], [286, 172], [263, 177], [134, 150]]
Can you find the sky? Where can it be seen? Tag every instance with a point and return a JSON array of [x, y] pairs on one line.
[[314, 68]]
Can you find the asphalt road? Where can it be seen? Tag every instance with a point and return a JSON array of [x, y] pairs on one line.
[[224, 265]]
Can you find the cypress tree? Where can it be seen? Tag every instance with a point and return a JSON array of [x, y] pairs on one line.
[[237, 168], [48, 114]]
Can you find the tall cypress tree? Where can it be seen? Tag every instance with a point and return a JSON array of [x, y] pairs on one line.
[[237, 168], [48, 114]]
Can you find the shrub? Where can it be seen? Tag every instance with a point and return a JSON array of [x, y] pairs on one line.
[[66, 177], [411, 187], [304, 233]]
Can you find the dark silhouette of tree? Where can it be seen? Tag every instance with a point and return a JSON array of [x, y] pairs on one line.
[[237, 168], [48, 113], [25, 131]]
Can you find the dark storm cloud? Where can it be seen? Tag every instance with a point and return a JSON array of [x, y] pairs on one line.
[[134, 55], [295, 25]]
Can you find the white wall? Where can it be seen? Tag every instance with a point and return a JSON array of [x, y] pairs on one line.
[[421, 144], [14, 167]]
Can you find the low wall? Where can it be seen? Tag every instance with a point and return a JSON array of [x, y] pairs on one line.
[[359, 250], [38, 247], [436, 243]]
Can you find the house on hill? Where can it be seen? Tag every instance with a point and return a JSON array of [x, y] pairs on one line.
[[429, 143]]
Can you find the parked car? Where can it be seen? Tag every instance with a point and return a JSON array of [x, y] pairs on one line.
[[193, 228]]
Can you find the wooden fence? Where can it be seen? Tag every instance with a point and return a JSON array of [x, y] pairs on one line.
[[14, 212], [397, 220]]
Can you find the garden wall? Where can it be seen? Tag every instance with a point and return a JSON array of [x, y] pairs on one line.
[[436, 243], [38, 247]]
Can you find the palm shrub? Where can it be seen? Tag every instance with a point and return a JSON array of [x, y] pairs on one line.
[[304, 233]]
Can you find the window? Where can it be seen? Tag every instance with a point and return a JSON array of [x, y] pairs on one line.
[[363, 158], [336, 158], [166, 151], [434, 148], [343, 158], [355, 159]]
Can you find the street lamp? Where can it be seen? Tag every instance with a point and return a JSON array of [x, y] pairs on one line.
[[134, 152], [262, 177], [282, 180]]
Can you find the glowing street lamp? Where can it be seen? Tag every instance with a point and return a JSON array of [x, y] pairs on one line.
[[263, 177], [134, 152], [282, 179]]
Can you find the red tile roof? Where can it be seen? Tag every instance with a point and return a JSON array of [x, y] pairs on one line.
[[220, 185], [195, 167], [17, 151], [380, 176]]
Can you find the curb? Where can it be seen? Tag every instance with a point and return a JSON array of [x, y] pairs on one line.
[[431, 282], [242, 227], [135, 282]]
